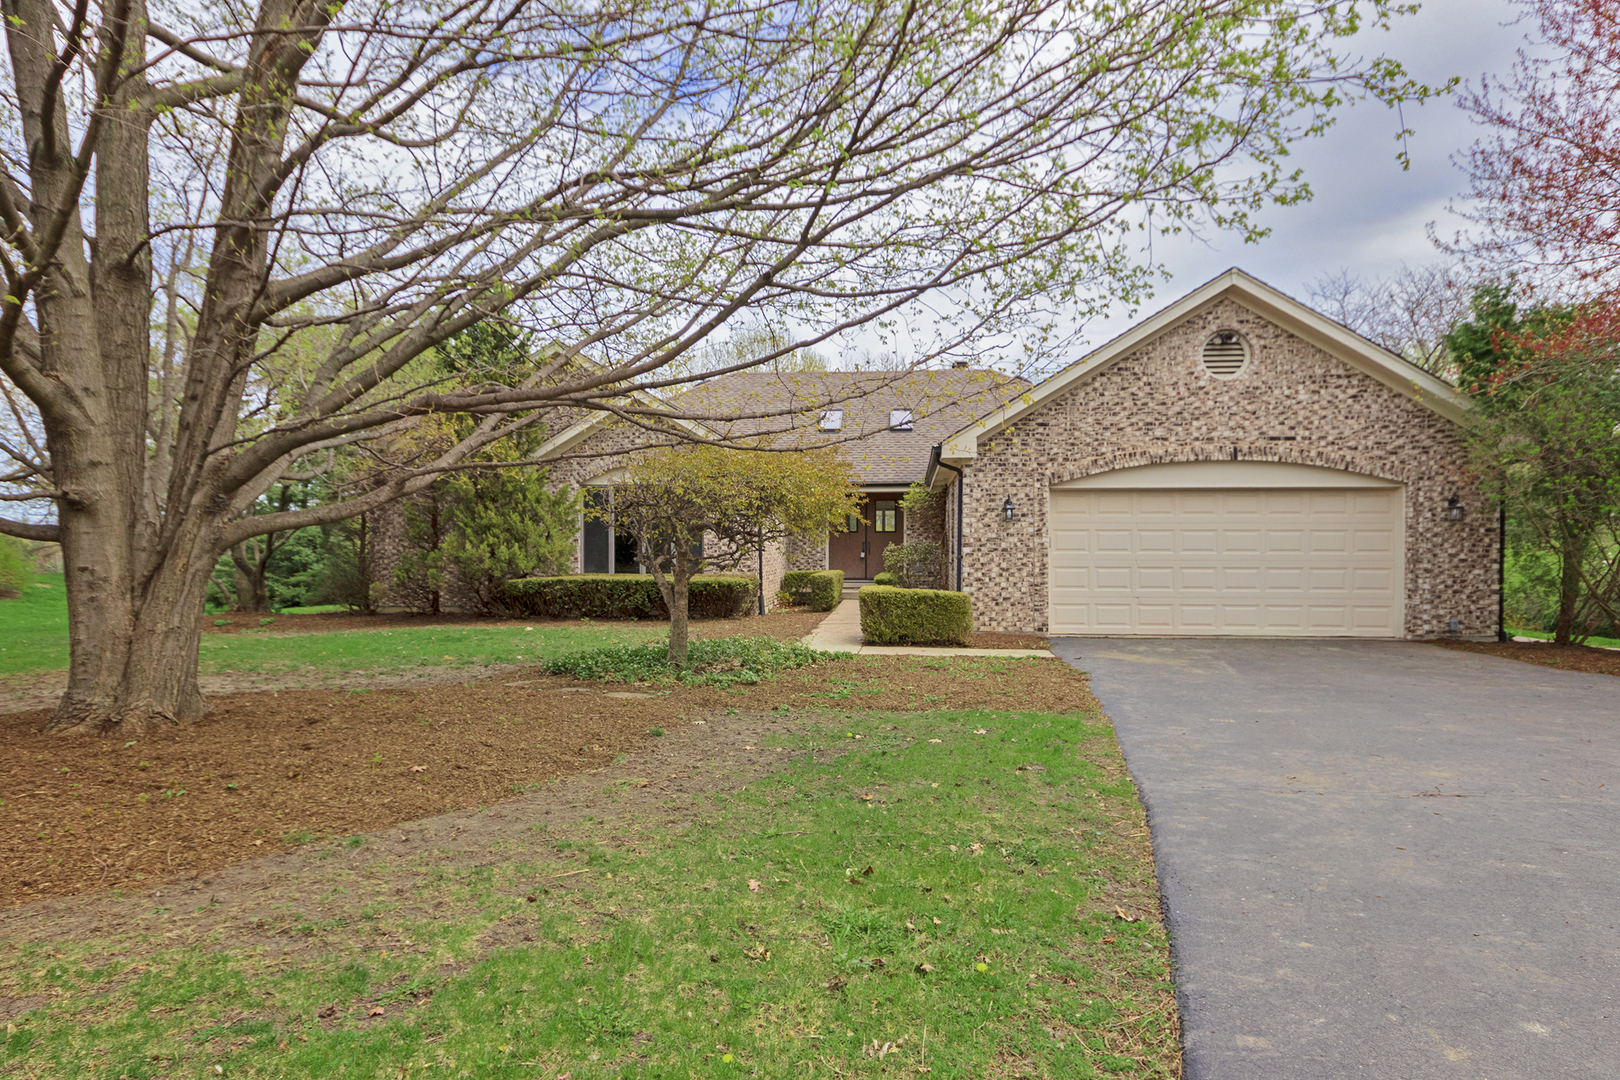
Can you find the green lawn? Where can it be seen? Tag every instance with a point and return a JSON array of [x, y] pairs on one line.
[[34, 637], [945, 899], [34, 627]]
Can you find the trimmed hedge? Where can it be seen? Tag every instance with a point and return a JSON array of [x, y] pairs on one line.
[[891, 616], [821, 589], [885, 578], [623, 596]]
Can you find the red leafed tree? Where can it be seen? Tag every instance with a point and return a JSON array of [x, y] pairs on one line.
[[1546, 180]]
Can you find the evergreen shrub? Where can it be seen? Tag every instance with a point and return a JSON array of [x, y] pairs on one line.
[[892, 616], [623, 596], [886, 578], [821, 589]]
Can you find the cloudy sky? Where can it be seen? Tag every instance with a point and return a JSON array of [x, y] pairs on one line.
[[1368, 216]]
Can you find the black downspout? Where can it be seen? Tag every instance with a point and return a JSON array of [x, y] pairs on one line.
[[762, 578], [961, 494], [1501, 574]]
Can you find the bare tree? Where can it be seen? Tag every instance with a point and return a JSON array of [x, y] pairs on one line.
[[1408, 313], [622, 178]]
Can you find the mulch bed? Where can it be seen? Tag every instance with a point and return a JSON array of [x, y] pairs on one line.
[[265, 770], [1565, 657], [989, 639]]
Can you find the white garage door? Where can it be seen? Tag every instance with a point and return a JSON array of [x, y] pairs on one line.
[[1262, 561]]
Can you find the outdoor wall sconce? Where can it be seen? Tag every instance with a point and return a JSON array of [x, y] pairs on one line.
[[1007, 509], [1454, 509]]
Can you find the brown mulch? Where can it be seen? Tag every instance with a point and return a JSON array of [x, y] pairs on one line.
[[265, 770], [990, 639], [1564, 657]]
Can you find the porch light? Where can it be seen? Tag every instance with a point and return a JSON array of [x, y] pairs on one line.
[[1007, 509], [1454, 509]]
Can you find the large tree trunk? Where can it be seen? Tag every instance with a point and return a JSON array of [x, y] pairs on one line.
[[134, 651]]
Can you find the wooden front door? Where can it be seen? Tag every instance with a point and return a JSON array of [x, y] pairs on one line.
[[858, 549]]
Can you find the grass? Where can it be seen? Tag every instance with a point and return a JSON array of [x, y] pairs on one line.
[[943, 898], [1595, 642], [717, 662], [34, 637], [34, 627]]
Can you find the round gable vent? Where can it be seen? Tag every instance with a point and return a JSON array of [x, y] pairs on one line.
[[1225, 355]]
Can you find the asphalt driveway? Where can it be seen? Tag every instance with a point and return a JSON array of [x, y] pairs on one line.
[[1379, 859]]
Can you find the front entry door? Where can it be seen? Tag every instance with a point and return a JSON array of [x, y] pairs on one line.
[[858, 549]]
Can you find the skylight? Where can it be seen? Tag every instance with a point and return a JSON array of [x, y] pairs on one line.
[[900, 419], [832, 420]]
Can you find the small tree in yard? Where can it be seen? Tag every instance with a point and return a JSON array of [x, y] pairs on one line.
[[692, 506]]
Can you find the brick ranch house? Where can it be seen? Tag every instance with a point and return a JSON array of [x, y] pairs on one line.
[[888, 424], [1236, 464]]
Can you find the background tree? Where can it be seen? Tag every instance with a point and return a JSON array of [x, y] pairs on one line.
[[1546, 435], [693, 506], [363, 181], [1544, 184], [1409, 313]]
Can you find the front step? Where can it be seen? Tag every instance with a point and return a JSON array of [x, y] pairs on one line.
[[851, 588]]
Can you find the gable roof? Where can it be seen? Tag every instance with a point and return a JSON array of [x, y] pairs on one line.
[[1303, 322], [941, 402]]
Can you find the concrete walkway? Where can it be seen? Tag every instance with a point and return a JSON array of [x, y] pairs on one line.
[[840, 631], [1379, 859]]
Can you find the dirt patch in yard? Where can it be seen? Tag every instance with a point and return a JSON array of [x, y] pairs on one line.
[[1564, 657], [270, 771]]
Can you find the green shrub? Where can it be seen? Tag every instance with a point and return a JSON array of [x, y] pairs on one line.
[[885, 578], [623, 596], [891, 616], [821, 589], [721, 662], [914, 565], [16, 569]]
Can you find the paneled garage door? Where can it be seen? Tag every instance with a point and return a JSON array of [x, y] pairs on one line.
[[1264, 562]]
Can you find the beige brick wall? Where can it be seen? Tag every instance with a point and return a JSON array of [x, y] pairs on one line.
[[1295, 403]]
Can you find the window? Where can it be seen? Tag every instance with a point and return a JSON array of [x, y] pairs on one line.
[[852, 523], [605, 549], [883, 517], [900, 419], [832, 420]]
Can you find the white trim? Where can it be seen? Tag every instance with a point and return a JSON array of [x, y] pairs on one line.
[[1230, 475], [1265, 301]]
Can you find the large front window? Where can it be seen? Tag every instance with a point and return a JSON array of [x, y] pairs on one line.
[[607, 548]]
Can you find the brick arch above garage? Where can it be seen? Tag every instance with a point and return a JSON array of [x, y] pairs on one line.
[[1286, 454]]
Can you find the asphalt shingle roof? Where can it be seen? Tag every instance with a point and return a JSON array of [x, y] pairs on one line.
[[941, 403]]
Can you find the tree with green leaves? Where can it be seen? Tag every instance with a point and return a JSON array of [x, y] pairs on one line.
[[1545, 432], [693, 506]]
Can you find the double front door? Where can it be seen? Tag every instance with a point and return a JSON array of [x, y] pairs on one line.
[[857, 550]]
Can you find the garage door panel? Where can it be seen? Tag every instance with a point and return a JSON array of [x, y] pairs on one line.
[[1256, 562]]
